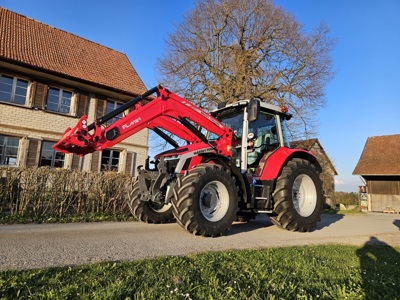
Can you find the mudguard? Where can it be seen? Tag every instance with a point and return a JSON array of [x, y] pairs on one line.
[[271, 163]]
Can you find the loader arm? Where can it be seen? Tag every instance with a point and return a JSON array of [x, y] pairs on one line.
[[175, 127], [167, 111]]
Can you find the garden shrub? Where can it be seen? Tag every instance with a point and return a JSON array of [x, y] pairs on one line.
[[43, 192]]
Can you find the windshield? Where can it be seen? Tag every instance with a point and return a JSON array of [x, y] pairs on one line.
[[233, 121]]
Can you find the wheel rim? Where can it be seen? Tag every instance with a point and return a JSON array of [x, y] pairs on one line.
[[214, 201], [304, 195], [160, 208]]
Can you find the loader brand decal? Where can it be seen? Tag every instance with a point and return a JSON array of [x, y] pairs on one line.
[[203, 151], [133, 122]]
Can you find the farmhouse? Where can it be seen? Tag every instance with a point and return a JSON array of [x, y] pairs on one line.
[[379, 165], [49, 78], [328, 169]]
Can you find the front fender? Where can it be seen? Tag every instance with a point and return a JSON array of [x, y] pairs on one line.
[[271, 163]]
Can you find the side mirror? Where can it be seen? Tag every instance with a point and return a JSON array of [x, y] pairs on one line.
[[253, 110]]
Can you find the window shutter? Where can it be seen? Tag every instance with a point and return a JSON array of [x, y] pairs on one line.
[[131, 168], [129, 161], [101, 107], [95, 162], [32, 93], [39, 99], [83, 105], [76, 162], [33, 150]]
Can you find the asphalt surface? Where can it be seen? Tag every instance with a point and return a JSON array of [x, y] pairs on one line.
[[50, 245]]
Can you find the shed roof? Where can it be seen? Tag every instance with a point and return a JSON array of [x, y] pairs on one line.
[[381, 156], [36, 45]]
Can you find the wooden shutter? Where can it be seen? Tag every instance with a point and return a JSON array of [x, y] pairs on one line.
[[101, 107], [83, 105], [76, 162], [33, 150], [39, 99], [95, 162], [129, 161]]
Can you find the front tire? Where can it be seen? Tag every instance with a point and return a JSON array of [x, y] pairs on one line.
[[206, 200], [148, 211], [298, 200]]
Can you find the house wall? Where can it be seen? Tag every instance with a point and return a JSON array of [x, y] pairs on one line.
[[33, 124]]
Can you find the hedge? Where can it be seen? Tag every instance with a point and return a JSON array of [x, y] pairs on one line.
[[43, 192]]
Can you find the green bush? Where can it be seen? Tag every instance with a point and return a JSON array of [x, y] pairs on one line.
[[43, 192]]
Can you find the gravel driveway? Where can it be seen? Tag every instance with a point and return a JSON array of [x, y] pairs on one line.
[[50, 245]]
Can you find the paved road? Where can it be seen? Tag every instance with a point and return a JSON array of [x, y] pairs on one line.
[[49, 245]]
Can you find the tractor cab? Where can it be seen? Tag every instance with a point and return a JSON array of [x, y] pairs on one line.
[[259, 129]]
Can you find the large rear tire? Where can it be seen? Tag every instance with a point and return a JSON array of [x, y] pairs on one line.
[[148, 211], [206, 200], [298, 200]]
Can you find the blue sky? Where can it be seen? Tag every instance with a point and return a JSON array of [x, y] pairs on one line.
[[362, 100]]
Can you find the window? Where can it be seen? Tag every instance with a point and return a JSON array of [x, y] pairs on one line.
[[59, 100], [13, 90], [8, 150], [111, 106], [109, 160], [50, 157]]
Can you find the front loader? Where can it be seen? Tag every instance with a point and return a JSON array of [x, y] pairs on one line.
[[236, 163]]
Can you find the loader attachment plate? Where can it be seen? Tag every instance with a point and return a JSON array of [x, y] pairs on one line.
[[76, 140]]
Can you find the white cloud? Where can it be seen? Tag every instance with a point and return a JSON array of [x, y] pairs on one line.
[[339, 182]]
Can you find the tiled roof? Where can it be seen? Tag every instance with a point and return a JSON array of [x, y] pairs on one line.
[[31, 43], [381, 156]]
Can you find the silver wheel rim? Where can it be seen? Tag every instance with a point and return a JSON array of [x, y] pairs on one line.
[[160, 208], [304, 195], [214, 201]]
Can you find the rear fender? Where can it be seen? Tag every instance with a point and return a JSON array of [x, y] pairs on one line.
[[271, 164]]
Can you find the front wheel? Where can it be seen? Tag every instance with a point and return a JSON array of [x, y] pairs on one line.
[[298, 200], [148, 211], [206, 200]]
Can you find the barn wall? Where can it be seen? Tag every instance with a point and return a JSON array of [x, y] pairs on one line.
[[384, 192], [380, 202], [384, 187]]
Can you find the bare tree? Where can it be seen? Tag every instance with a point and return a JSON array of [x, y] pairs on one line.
[[225, 50]]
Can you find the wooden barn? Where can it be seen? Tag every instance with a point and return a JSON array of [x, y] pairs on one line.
[[379, 165]]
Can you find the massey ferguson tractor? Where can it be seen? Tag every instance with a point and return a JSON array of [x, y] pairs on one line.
[[236, 163]]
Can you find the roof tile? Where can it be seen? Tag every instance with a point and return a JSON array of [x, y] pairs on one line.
[[381, 156], [24, 40]]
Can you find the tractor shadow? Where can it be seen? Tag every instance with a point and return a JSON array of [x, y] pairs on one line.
[[263, 221], [259, 222], [327, 220]]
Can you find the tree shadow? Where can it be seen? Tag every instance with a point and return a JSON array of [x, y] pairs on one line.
[[380, 270]]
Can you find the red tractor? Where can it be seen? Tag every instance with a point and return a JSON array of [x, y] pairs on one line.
[[236, 163]]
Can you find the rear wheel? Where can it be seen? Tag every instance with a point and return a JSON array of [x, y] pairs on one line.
[[206, 200], [148, 211], [298, 199]]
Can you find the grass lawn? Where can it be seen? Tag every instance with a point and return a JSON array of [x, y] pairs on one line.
[[312, 272]]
